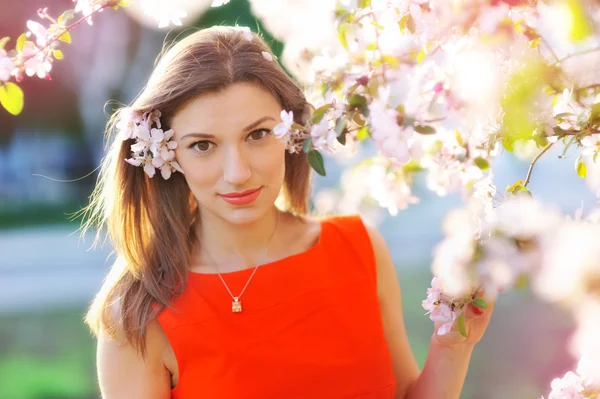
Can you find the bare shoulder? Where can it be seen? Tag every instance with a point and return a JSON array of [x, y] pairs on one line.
[[124, 373], [305, 230]]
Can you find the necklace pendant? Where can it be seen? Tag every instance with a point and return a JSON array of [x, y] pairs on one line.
[[236, 305]]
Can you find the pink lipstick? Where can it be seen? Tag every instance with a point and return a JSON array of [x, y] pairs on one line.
[[242, 198]]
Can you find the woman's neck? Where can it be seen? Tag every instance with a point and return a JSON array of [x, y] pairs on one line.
[[228, 246]]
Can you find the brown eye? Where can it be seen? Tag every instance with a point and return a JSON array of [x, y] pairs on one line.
[[202, 146], [259, 134]]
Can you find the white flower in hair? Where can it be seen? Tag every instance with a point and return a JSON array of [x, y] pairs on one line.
[[143, 140], [219, 3], [287, 121], [127, 124], [154, 147], [146, 160], [268, 56], [246, 32]]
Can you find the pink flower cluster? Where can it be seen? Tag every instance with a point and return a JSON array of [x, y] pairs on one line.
[[571, 386], [442, 309], [153, 148]]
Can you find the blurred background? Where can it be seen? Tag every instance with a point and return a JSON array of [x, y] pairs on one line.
[[48, 275]]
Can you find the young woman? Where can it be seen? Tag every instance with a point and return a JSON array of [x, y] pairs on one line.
[[224, 287]]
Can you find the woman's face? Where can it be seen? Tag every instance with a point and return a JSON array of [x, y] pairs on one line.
[[225, 147]]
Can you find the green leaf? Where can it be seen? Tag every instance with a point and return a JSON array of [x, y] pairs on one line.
[[563, 115], [522, 281], [306, 145], [581, 26], [364, 3], [358, 119], [390, 60], [342, 35], [559, 131], [318, 114], [363, 133], [315, 159], [421, 55], [412, 166], [480, 303], [540, 140], [482, 163], [3, 42], [65, 37], [58, 54], [508, 145], [424, 129], [340, 125], [460, 323], [459, 138], [357, 101], [517, 184], [372, 46], [595, 114], [11, 98], [21, 42], [581, 168], [65, 16], [407, 22]]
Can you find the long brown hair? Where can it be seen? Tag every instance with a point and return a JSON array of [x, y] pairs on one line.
[[149, 221]]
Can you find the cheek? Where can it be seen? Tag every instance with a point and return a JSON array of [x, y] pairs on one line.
[[272, 164]]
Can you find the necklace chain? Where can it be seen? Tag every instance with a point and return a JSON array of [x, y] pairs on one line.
[[236, 305]]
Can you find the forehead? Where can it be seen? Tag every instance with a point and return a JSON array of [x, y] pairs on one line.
[[227, 111]]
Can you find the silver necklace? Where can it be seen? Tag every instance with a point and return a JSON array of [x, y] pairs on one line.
[[236, 305]]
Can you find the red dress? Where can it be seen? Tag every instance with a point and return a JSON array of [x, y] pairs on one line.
[[310, 327]]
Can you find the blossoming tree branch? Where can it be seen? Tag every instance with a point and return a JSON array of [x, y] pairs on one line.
[[440, 87]]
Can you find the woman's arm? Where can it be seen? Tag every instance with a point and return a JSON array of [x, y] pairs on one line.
[[446, 365], [124, 374]]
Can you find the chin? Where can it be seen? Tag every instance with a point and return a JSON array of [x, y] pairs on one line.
[[243, 216]]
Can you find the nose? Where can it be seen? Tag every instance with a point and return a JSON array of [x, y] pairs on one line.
[[236, 168]]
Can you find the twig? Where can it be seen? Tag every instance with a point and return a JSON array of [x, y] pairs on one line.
[[528, 178], [22, 61], [577, 54]]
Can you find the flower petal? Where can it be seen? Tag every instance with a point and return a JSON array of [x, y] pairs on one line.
[[166, 172], [150, 170], [134, 161]]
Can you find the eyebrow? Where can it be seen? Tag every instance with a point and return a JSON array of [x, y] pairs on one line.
[[249, 127]]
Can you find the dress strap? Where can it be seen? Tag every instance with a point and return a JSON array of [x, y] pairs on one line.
[[352, 235]]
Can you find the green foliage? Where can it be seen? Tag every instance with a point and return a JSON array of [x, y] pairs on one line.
[[480, 303], [482, 163], [460, 323], [11, 97], [315, 159], [580, 168], [424, 129]]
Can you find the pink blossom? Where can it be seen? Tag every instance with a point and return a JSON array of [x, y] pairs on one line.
[[145, 160], [323, 134], [39, 31], [128, 122], [444, 315], [570, 386], [88, 7], [246, 32], [6, 66], [287, 120], [37, 63]]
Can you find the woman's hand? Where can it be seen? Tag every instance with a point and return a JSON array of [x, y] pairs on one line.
[[476, 322]]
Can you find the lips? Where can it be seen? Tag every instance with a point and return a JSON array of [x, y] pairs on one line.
[[242, 198]]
